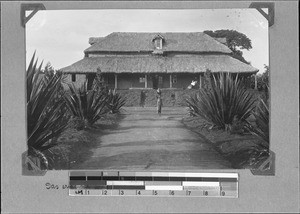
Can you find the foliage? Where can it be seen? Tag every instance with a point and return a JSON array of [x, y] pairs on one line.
[[235, 41], [248, 157], [48, 68], [262, 80], [88, 105], [49, 73], [226, 102], [207, 80], [261, 129], [116, 102], [46, 113], [91, 78], [99, 83], [259, 152], [72, 146]]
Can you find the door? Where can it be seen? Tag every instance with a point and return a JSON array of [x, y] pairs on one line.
[[157, 81]]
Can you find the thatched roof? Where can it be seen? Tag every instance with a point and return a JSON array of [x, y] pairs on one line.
[[222, 40], [153, 64], [140, 42]]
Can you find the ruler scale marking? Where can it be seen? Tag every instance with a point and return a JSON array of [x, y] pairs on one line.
[[114, 183]]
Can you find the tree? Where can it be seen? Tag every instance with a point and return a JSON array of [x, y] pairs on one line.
[[262, 80], [234, 40], [265, 78]]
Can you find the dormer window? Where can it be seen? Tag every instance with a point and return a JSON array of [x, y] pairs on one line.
[[158, 41]]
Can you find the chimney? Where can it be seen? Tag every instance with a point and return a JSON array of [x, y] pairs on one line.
[[93, 40]]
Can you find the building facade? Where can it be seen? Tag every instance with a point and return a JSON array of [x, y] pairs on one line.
[[155, 60]]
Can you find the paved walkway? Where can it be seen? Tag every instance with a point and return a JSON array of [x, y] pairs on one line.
[[146, 141]]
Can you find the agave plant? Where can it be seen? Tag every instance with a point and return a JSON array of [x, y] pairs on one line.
[[192, 104], [226, 101], [116, 102], [261, 129], [259, 152], [47, 116], [87, 105]]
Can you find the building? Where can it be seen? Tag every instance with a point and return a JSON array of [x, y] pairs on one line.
[[155, 60]]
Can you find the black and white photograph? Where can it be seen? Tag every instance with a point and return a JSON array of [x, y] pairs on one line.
[[149, 106], [145, 89]]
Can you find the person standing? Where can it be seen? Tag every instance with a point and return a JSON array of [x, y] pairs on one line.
[[159, 101]]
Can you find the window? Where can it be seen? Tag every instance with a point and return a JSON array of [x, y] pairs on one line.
[[142, 79], [73, 77], [158, 43], [174, 78], [160, 80]]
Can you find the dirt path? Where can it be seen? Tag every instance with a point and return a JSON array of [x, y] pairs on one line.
[[145, 141]]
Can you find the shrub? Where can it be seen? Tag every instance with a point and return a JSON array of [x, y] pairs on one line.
[[255, 155], [88, 105], [226, 101], [193, 105], [116, 102], [47, 116], [262, 80], [247, 157], [261, 129]]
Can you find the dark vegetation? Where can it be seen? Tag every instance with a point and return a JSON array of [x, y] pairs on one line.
[[235, 40], [86, 105], [224, 109], [60, 120], [47, 114], [116, 102], [262, 80], [225, 103]]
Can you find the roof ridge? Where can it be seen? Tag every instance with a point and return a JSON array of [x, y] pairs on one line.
[[154, 32], [144, 32]]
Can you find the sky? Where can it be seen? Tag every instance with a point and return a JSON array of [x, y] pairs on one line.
[[61, 36]]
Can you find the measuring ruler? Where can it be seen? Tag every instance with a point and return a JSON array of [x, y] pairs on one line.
[[115, 183]]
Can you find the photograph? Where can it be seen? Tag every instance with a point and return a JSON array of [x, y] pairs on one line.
[[147, 90], [149, 107]]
